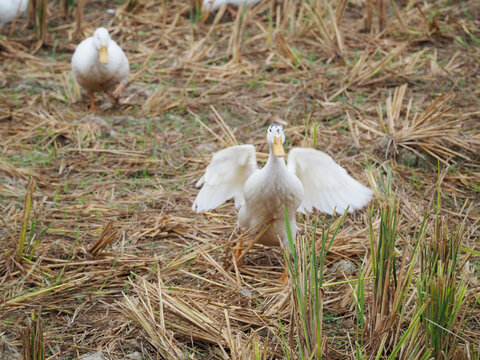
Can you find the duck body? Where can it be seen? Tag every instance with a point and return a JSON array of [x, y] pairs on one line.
[[266, 192], [310, 180], [99, 64], [9, 9], [95, 76], [214, 5]]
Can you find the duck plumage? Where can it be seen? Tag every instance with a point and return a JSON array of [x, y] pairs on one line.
[[9, 9]]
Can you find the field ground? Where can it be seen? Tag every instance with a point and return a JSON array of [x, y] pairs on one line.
[[399, 101]]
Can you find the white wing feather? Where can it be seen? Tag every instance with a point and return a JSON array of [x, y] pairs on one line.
[[327, 185], [225, 177]]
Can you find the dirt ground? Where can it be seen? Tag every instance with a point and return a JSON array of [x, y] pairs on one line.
[[116, 261]]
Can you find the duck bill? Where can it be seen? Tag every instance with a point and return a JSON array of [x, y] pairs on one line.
[[277, 148], [103, 55]]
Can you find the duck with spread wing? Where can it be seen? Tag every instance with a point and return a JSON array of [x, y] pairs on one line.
[[309, 180]]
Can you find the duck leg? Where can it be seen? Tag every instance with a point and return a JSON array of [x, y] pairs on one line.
[[205, 16], [237, 253], [118, 89], [284, 277], [92, 101]]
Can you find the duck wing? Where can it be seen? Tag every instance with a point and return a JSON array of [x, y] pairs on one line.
[[327, 185], [119, 62], [225, 177]]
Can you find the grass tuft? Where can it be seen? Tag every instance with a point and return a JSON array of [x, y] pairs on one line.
[[306, 266], [441, 290], [33, 345]]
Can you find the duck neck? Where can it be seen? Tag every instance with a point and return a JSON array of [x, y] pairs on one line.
[[276, 162]]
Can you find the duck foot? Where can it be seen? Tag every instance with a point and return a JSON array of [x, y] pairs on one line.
[[119, 88]]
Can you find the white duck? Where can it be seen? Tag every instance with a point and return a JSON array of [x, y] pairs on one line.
[[311, 180], [9, 9], [214, 5], [99, 64]]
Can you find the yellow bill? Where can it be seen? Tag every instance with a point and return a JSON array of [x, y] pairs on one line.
[[103, 55], [278, 149]]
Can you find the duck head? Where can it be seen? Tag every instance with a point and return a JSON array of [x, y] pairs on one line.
[[275, 139], [101, 40]]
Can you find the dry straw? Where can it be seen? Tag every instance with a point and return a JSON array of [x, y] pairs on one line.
[[97, 231]]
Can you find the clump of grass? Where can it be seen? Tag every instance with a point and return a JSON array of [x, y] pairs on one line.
[[32, 338], [383, 266], [440, 291], [306, 269], [383, 317], [389, 313], [434, 131]]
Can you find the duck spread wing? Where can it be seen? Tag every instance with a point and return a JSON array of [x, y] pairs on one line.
[[225, 177], [327, 185]]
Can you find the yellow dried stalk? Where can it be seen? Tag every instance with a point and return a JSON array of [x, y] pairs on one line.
[[27, 208], [42, 36], [79, 16], [104, 240]]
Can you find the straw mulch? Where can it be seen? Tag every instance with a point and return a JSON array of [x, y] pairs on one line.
[[117, 261]]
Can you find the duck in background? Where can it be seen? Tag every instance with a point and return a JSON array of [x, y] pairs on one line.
[[10, 9], [210, 6], [99, 64], [214, 5]]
